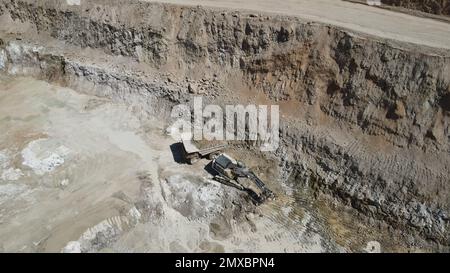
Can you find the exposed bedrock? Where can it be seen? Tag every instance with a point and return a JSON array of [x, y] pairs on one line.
[[440, 7], [364, 120]]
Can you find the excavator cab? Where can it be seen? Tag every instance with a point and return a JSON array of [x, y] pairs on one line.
[[224, 165]]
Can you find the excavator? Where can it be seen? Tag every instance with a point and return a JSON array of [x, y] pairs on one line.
[[236, 174], [229, 171]]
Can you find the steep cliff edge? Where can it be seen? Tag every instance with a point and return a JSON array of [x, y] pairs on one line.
[[364, 120]]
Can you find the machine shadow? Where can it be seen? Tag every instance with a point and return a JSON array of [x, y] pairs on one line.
[[177, 153]]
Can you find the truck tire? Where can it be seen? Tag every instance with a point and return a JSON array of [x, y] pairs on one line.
[[212, 156], [193, 160]]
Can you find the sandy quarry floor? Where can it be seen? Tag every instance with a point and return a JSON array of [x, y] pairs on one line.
[[79, 173], [353, 16]]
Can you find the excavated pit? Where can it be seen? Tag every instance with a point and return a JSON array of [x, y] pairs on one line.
[[364, 121]]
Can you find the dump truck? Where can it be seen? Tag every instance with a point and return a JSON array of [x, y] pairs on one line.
[[236, 174], [193, 154]]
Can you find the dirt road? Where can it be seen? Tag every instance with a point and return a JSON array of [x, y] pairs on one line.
[[357, 17]]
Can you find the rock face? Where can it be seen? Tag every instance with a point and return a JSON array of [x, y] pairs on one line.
[[440, 7], [366, 121]]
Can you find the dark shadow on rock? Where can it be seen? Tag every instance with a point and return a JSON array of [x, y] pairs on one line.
[[177, 153]]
